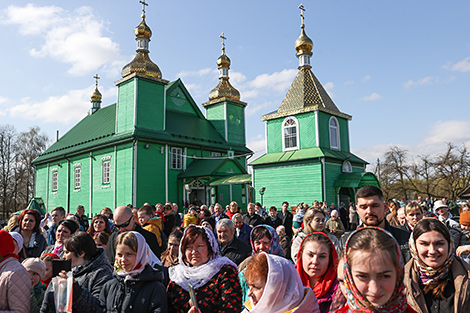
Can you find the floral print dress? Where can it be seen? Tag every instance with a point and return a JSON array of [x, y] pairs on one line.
[[222, 293]]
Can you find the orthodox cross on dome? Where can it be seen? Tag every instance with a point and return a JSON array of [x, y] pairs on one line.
[[222, 36], [302, 9], [96, 77], [143, 7]]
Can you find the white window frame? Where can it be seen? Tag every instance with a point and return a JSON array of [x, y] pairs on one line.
[[335, 128], [283, 128], [176, 158], [106, 172], [231, 154], [215, 154], [77, 176], [55, 180]]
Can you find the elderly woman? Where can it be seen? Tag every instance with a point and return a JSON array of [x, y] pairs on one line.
[[436, 280], [214, 278], [314, 221], [99, 223], [263, 239], [64, 230], [275, 287], [28, 226], [90, 270]]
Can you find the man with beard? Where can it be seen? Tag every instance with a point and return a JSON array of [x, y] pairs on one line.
[[371, 209]]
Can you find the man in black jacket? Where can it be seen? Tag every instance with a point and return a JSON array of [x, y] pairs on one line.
[[286, 218], [371, 209], [229, 245], [125, 221], [251, 218]]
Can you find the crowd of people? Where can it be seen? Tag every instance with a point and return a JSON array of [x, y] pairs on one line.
[[370, 256]]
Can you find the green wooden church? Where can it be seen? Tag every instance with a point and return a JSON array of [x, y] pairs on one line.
[[152, 145], [307, 145]]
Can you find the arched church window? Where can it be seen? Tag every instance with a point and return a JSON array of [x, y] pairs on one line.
[[334, 133], [290, 133], [346, 168]]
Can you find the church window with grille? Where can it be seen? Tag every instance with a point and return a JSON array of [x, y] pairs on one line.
[[105, 172], [290, 132], [77, 171], [55, 180], [176, 158]]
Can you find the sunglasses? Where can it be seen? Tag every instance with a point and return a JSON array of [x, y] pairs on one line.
[[125, 224]]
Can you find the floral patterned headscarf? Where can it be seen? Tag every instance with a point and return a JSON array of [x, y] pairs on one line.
[[357, 301], [426, 273], [275, 245]]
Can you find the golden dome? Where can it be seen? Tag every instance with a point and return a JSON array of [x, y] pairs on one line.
[[224, 89], [142, 65], [223, 60], [303, 44], [96, 96], [143, 30]]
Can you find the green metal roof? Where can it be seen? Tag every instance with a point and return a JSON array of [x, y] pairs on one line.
[[209, 167], [304, 154], [231, 180], [357, 180], [98, 129], [93, 130]]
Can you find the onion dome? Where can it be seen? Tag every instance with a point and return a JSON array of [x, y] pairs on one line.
[[224, 89], [303, 44], [223, 61], [141, 64], [143, 30], [96, 95]]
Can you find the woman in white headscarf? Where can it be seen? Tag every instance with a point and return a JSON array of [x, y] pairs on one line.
[[214, 278], [275, 287], [136, 286]]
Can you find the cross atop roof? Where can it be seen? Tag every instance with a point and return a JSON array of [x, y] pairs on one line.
[[302, 9], [143, 7], [223, 41], [96, 77]]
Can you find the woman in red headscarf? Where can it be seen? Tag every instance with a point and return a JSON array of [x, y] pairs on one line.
[[316, 264]]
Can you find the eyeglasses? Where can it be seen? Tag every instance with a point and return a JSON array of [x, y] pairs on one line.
[[125, 224]]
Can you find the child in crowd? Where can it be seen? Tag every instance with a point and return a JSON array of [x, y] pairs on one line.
[[151, 222], [463, 237], [101, 239], [47, 259], [191, 217], [37, 269], [18, 241], [136, 286]]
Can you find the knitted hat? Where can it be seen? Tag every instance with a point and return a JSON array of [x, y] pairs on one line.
[[7, 247], [18, 238], [35, 265], [465, 218]]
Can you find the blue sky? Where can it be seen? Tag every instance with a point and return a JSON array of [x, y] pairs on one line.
[[400, 68]]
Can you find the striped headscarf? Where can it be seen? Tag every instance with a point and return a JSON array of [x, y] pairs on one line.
[[426, 273], [357, 301], [275, 245]]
